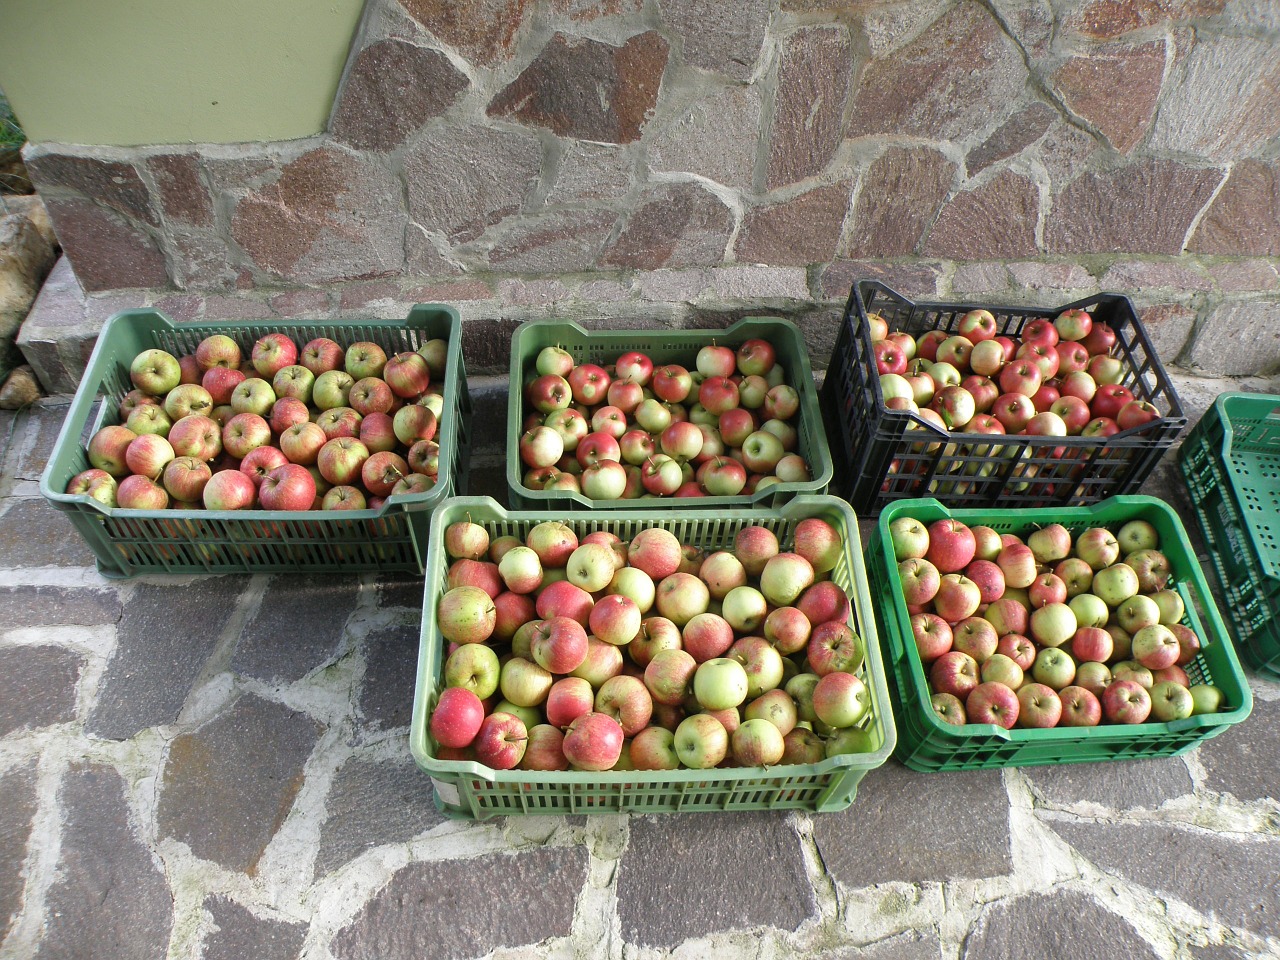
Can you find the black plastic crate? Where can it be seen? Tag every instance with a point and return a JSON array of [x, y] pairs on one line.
[[877, 461]]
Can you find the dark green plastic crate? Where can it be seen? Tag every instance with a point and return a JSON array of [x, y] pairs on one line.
[[1231, 462], [131, 542], [466, 789], [928, 743], [981, 470], [662, 347]]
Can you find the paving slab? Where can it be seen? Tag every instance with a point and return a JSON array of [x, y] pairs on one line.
[[229, 785], [400, 590], [1062, 923], [403, 920], [35, 440], [866, 843], [747, 870], [34, 534], [1231, 877], [163, 641], [37, 687], [110, 898], [238, 934], [298, 627], [391, 665], [18, 787], [53, 606], [1146, 784], [1241, 762], [374, 800]]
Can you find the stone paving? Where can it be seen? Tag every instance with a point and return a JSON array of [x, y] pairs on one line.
[[219, 768]]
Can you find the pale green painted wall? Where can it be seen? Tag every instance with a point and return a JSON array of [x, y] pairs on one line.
[[173, 71]]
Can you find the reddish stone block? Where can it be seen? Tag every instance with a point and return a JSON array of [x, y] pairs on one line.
[[813, 83], [391, 90], [901, 195], [182, 195], [1115, 88], [1104, 19], [330, 216], [106, 250], [991, 222], [796, 232], [110, 182], [916, 280], [588, 90], [1018, 132], [714, 137], [944, 84], [1244, 218], [676, 225], [301, 302], [483, 30], [1146, 207], [563, 242]]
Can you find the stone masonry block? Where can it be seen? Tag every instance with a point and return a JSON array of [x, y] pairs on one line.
[[1238, 339]]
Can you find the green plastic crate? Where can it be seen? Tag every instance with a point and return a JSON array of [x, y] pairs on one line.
[[928, 743], [1231, 462], [470, 790], [665, 346], [131, 542]]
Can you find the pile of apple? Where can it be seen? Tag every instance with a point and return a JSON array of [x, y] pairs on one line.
[[1048, 631], [604, 654], [632, 430], [1058, 379], [282, 429]]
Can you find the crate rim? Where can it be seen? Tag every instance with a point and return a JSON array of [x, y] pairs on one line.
[[876, 666], [915, 671], [810, 411], [82, 402]]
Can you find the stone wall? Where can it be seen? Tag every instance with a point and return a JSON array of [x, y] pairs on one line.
[[681, 162]]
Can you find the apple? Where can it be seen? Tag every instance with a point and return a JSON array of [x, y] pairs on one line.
[[341, 460], [140, 492], [841, 699], [974, 636], [155, 372], [1080, 707], [1054, 668], [1124, 701], [992, 702], [1023, 377], [1040, 707], [1155, 646], [1017, 648], [909, 537], [457, 717], [333, 388], [954, 672], [185, 479], [1170, 701], [466, 614], [1053, 624], [948, 708], [1092, 676], [603, 661], [1110, 397], [1137, 613], [1000, 668], [701, 741], [669, 676], [957, 597], [1205, 698], [1115, 584], [287, 487], [951, 545], [933, 636], [626, 700], [475, 667], [834, 647], [259, 462]]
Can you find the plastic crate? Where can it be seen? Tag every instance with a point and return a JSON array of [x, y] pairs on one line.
[[928, 743], [1231, 462], [131, 542], [665, 346], [466, 789], [877, 461]]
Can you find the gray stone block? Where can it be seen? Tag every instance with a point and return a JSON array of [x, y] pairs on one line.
[[48, 606], [374, 800], [1237, 339], [391, 665], [446, 910], [1145, 784], [1241, 761], [228, 786], [37, 687], [693, 875], [34, 534], [166, 635], [109, 898], [870, 842], [1223, 876], [297, 628], [240, 935], [1061, 923], [18, 787], [916, 945], [37, 432]]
